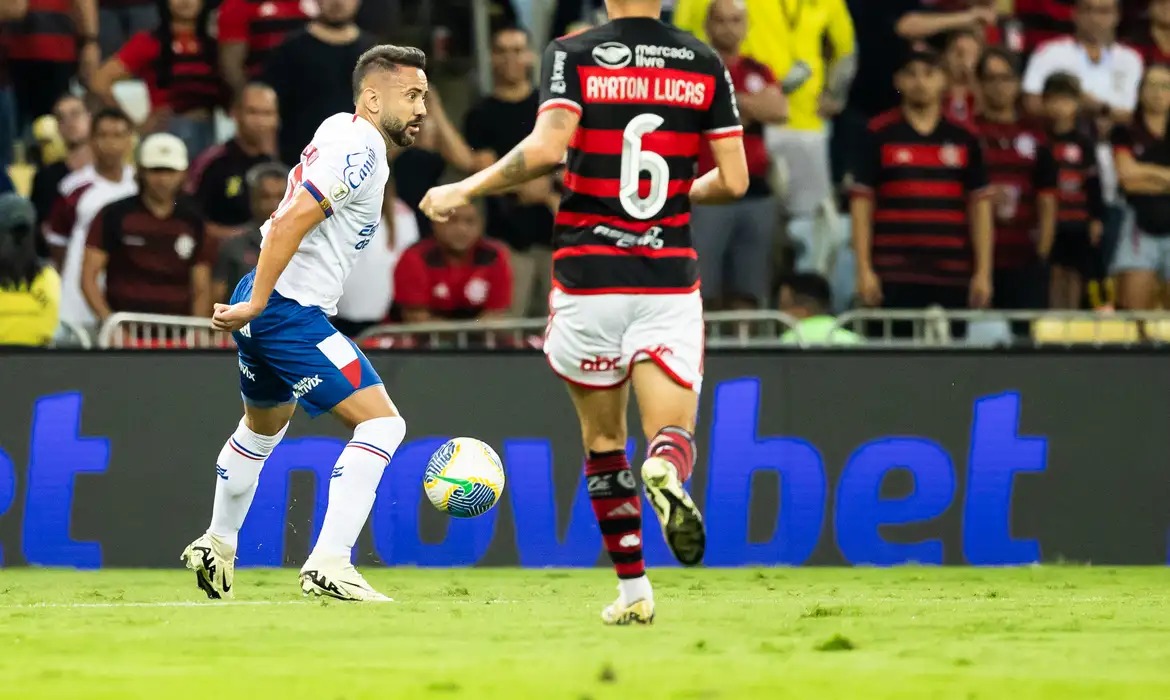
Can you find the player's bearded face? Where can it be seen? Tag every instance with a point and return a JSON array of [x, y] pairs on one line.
[[404, 111], [401, 132]]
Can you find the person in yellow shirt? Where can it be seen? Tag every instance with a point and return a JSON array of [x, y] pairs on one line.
[[30, 289], [789, 37]]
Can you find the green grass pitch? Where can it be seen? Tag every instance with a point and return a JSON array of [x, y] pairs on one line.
[[1044, 632]]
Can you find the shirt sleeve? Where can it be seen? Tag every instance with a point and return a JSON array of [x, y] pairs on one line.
[[500, 289], [139, 54], [234, 16], [1122, 139], [1047, 173], [475, 128], [100, 234], [722, 117], [1039, 68], [560, 85], [410, 280], [207, 248], [62, 218], [337, 169], [839, 29], [867, 165], [975, 176]]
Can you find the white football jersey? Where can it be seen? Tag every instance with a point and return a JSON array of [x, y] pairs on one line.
[[345, 170]]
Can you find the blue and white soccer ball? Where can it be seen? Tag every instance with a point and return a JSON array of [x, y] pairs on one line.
[[464, 478]]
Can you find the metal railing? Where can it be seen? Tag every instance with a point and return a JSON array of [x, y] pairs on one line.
[[158, 331], [883, 329], [724, 329], [936, 327]]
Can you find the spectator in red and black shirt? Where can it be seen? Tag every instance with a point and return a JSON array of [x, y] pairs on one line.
[[1044, 20], [457, 274], [250, 29], [152, 246], [51, 43], [1153, 40], [1142, 156], [922, 228], [1023, 185], [177, 63], [1076, 253]]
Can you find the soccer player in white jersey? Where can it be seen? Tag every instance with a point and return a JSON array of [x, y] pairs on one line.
[[289, 352]]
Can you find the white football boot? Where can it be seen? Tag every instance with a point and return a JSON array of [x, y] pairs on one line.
[[682, 523], [214, 564], [337, 579], [619, 612]]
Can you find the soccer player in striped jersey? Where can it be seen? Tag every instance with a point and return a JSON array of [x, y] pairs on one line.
[[288, 349], [630, 101]]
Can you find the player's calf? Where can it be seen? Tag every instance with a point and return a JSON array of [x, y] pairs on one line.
[[352, 488], [613, 493]]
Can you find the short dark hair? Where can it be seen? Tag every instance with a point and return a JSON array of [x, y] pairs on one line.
[[1062, 85], [386, 57], [110, 114], [509, 27], [996, 53], [267, 169], [809, 290], [251, 85]]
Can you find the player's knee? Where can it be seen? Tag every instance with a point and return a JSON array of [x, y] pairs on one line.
[[384, 433]]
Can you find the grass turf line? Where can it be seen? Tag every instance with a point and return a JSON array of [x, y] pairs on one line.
[[1047, 632]]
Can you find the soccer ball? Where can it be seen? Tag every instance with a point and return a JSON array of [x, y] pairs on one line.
[[464, 478]]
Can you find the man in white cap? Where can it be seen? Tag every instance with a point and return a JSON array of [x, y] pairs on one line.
[[152, 247]]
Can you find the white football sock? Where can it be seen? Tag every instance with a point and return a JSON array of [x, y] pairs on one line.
[[238, 471], [635, 589], [354, 483]]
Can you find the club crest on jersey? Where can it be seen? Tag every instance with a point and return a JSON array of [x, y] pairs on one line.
[[359, 166], [612, 55], [1026, 146]]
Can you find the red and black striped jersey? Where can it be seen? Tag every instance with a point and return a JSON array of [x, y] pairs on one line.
[[1020, 167], [647, 94], [1079, 180], [1044, 20], [47, 32], [921, 186], [262, 25]]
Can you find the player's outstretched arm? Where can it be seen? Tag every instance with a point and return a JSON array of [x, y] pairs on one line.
[[729, 179], [290, 224], [537, 155]]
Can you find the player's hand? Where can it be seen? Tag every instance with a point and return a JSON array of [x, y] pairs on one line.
[[439, 202], [233, 317], [869, 287], [980, 293], [1096, 231]]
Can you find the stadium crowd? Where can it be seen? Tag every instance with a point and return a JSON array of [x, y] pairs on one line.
[[903, 153]]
